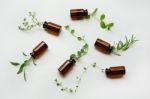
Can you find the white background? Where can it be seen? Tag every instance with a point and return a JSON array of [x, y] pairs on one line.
[[129, 16]]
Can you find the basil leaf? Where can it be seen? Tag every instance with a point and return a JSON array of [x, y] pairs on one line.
[[103, 25], [102, 17]]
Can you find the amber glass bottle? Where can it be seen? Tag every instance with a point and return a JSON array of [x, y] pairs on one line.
[[103, 46], [117, 71], [39, 50], [66, 66], [78, 14], [52, 28]]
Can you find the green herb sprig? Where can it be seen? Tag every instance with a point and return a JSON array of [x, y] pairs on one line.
[[83, 51], [121, 46], [29, 23], [78, 79], [103, 24], [23, 65], [93, 13]]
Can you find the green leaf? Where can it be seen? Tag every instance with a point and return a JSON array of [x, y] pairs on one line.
[[56, 80], [73, 56], [94, 12], [67, 27], [24, 19], [84, 68], [85, 46], [70, 90], [88, 17], [94, 65], [22, 66], [103, 25], [82, 50], [110, 25], [25, 76], [24, 54], [72, 31], [79, 53], [77, 77], [79, 38], [102, 17], [20, 69], [15, 63]]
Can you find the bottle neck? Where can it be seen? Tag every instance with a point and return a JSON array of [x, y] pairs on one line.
[[85, 12]]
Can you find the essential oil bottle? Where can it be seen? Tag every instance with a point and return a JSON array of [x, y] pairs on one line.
[[78, 14], [52, 28], [39, 50], [116, 71], [103, 46], [66, 66]]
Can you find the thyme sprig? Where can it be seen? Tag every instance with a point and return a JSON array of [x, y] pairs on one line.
[[78, 79], [103, 24], [23, 65], [83, 51], [121, 46], [29, 23]]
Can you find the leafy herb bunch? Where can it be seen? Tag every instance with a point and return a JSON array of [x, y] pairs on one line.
[[23, 65]]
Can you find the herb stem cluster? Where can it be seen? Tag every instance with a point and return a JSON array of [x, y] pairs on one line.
[[23, 65], [78, 80], [30, 23]]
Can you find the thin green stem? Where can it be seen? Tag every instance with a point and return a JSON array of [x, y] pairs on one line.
[[83, 51], [78, 79]]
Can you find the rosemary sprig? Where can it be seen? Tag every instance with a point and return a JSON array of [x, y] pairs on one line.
[[83, 51], [78, 80], [30, 23], [23, 65], [121, 46], [103, 24]]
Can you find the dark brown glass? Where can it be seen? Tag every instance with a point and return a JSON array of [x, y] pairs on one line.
[[78, 14], [117, 71], [103, 46], [39, 50], [52, 28], [66, 66]]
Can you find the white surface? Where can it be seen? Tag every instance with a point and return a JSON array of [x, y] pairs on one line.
[[129, 16]]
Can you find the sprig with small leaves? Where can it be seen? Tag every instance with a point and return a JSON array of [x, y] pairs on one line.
[[121, 46], [78, 80], [93, 13], [103, 24], [29, 23], [23, 65], [83, 51]]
